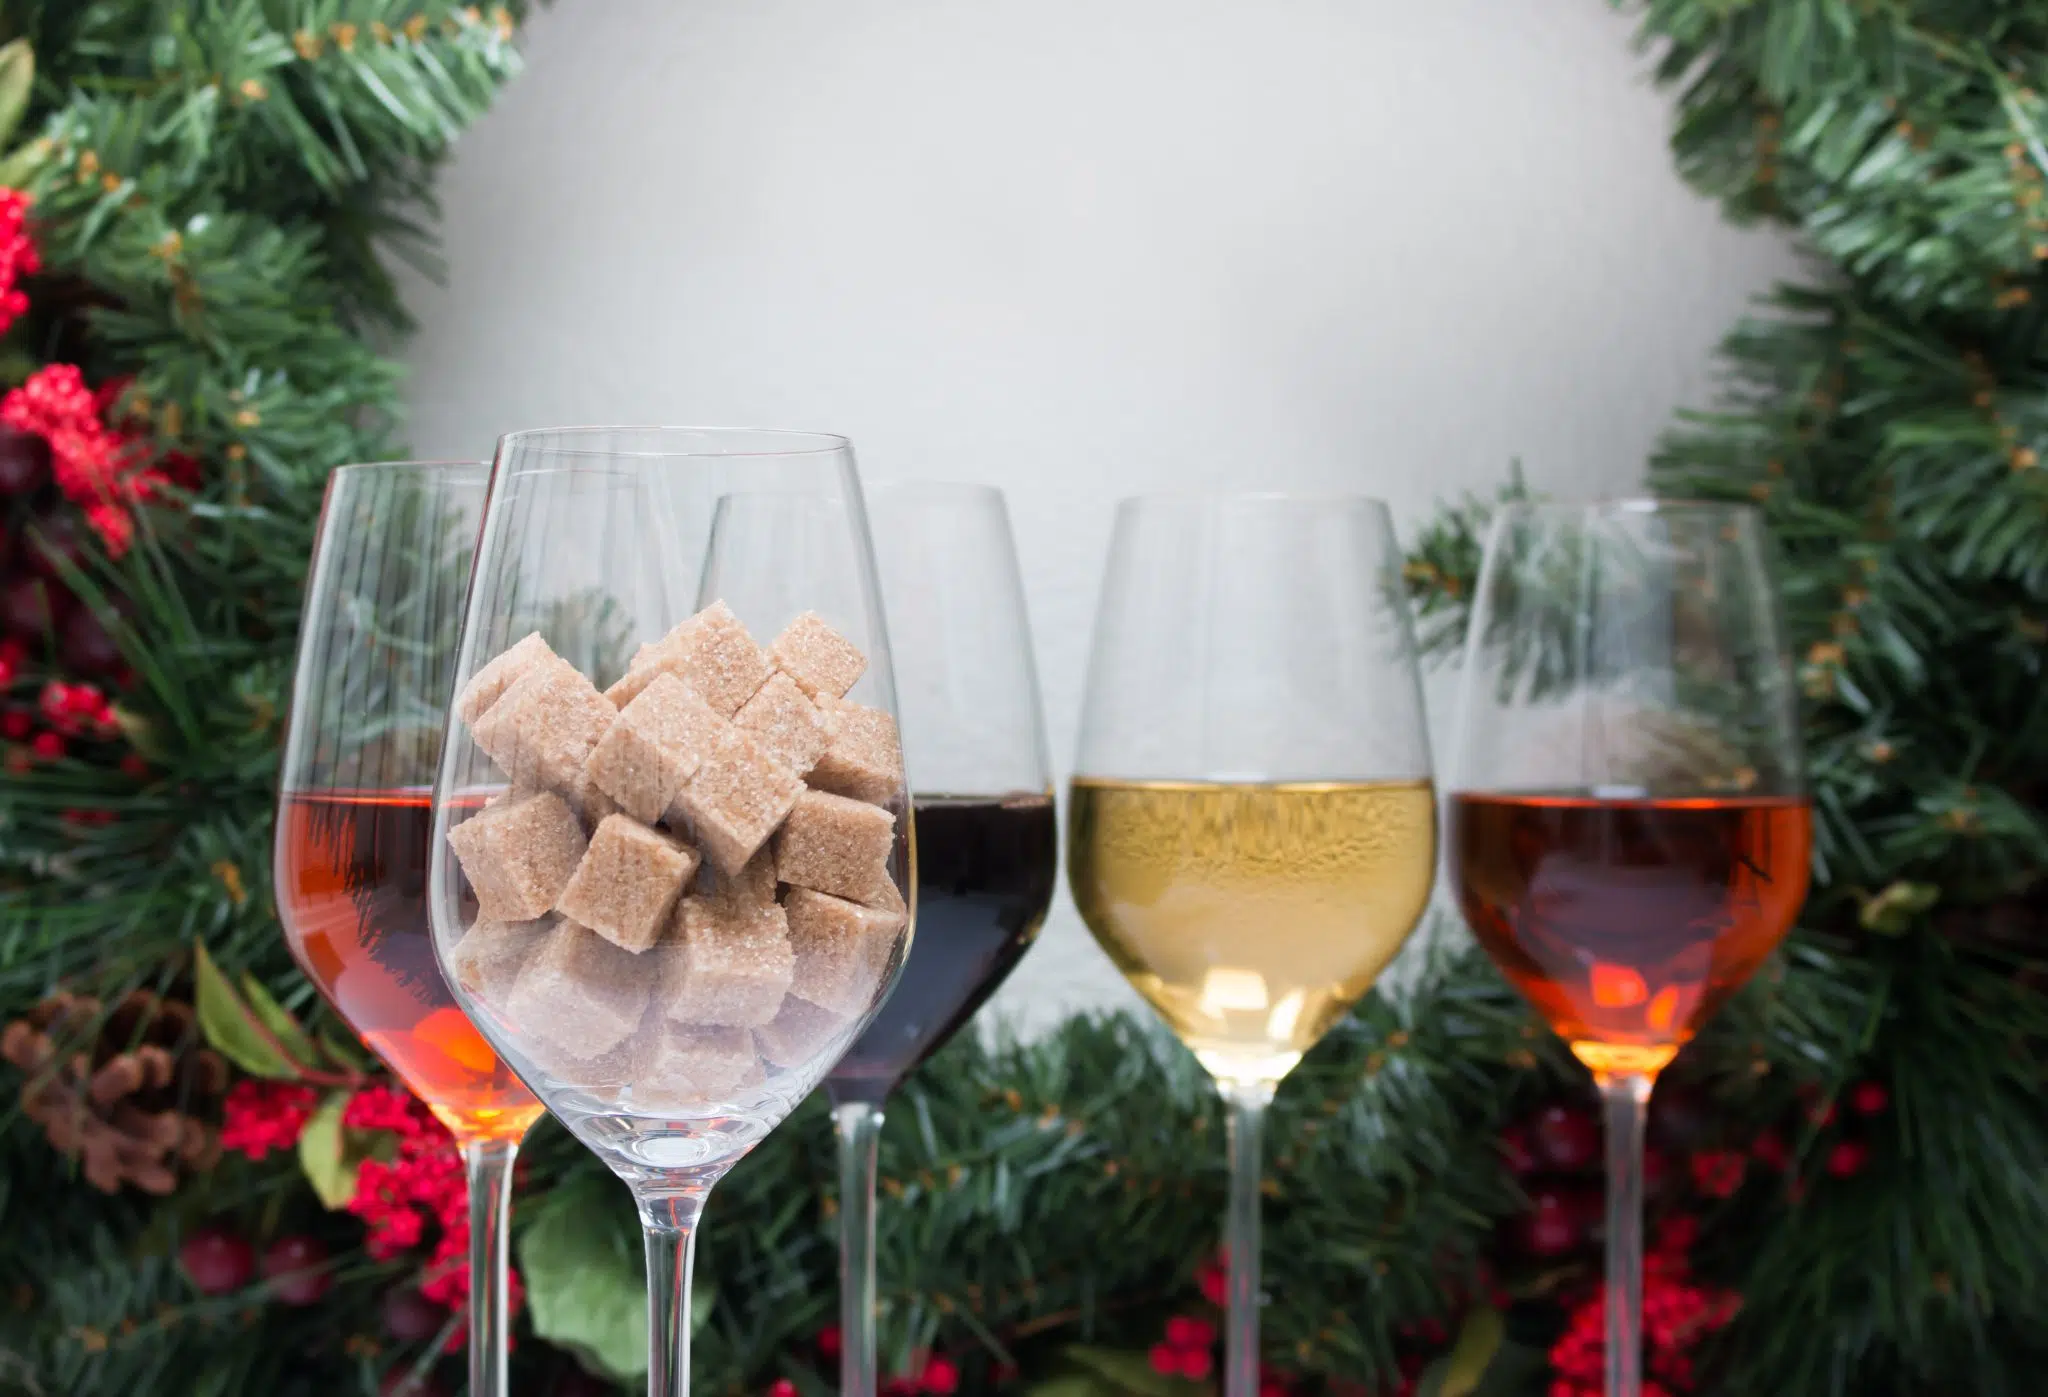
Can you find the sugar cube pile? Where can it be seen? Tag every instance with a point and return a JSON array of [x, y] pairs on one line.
[[686, 884]]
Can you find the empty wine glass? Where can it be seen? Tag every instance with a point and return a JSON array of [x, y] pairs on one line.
[[376, 665], [1252, 834], [1629, 826], [671, 840]]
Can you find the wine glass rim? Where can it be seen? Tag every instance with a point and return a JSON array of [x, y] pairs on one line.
[[424, 464], [791, 441]]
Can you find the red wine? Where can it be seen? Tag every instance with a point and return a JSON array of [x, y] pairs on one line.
[[1627, 923], [985, 874]]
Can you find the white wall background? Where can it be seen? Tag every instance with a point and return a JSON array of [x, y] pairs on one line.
[[1080, 249]]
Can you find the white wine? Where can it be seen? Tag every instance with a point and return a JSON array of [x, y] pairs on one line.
[[1251, 915]]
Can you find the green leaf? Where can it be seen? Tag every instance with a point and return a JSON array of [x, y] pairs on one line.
[[17, 81], [296, 1042], [1132, 1373], [231, 1026], [585, 1285], [325, 1156], [1464, 1367]]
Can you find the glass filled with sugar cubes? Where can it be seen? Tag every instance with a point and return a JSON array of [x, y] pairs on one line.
[[671, 845]]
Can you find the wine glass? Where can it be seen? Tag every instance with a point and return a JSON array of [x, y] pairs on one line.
[[1629, 830], [376, 667], [1252, 834], [671, 904], [987, 840]]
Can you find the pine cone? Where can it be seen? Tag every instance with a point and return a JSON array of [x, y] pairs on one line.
[[127, 1092]]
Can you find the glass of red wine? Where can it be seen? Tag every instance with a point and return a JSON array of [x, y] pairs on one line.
[[987, 844], [376, 668], [982, 813], [1629, 831]]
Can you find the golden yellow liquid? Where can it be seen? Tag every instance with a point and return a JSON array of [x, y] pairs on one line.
[[1251, 916]]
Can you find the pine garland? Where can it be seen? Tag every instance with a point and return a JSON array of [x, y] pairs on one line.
[[1851, 1198]]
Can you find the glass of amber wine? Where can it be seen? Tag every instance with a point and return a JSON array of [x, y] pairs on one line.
[[1629, 829], [1252, 834], [376, 669]]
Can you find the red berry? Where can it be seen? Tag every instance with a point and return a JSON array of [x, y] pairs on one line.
[[1847, 1158], [296, 1270], [829, 1341], [1273, 1387], [1185, 1331], [217, 1261], [134, 765], [782, 1387], [1164, 1358], [1548, 1228], [48, 745], [940, 1377], [1718, 1173], [15, 725], [1214, 1281], [1566, 1137], [1195, 1363], [1770, 1151], [410, 1317], [1822, 1114], [1868, 1098]]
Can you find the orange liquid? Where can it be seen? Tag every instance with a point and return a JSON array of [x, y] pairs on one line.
[[1627, 923], [352, 893]]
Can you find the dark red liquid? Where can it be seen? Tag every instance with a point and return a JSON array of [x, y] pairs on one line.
[[352, 894], [1627, 923], [985, 874]]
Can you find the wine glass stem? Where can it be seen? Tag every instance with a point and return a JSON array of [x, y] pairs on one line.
[[669, 1220], [859, 1127], [490, 1217], [1247, 1102], [1627, 1096]]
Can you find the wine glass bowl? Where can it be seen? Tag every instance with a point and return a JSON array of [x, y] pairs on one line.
[[1630, 835], [671, 851]]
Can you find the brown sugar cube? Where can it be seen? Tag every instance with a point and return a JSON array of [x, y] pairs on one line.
[[725, 966], [865, 758], [627, 883], [842, 949], [736, 799], [656, 744], [788, 726], [821, 660], [798, 1033], [834, 845], [491, 954], [544, 727], [751, 889], [519, 855], [711, 652], [579, 995], [677, 1068], [489, 683]]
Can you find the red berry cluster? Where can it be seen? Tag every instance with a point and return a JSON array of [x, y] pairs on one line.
[[1553, 1150], [99, 469], [419, 1185], [1188, 1349], [1678, 1313], [18, 256], [220, 1261], [259, 1116]]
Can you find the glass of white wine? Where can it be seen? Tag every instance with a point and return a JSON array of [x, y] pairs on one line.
[[1253, 826]]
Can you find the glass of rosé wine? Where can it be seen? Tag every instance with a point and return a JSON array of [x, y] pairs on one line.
[[1629, 831], [376, 671]]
